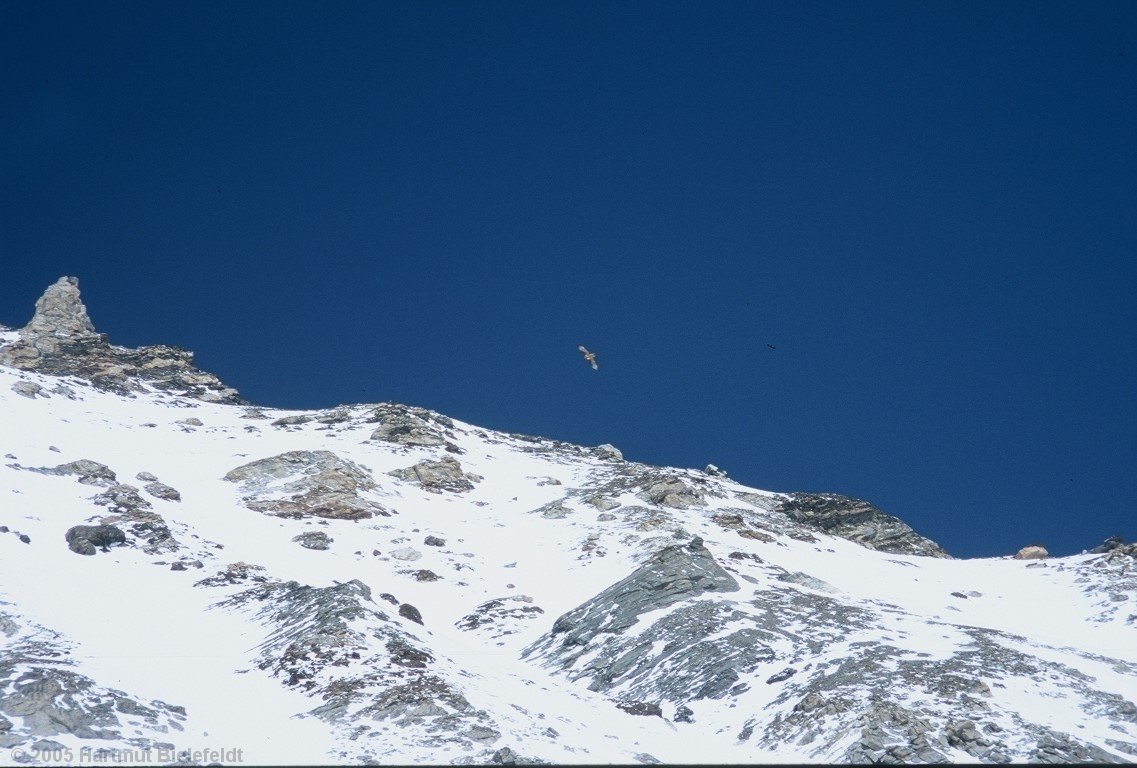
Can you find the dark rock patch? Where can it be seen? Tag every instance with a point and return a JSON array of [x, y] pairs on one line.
[[88, 539]]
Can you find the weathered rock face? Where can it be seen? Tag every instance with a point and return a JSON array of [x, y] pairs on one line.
[[672, 492], [408, 426], [857, 521], [61, 341], [438, 476], [685, 576], [321, 483]]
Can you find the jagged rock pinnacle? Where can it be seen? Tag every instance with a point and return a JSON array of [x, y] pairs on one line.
[[60, 340], [60, 312]]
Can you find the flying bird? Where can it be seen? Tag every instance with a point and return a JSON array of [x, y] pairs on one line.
[[589, 356], [771, 346]]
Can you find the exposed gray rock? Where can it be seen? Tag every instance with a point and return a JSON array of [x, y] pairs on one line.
[[321, 483], [235, 573], [317, 631], [146, 477], [60, 341], [291, 421], [672, 492], [696, 667], [313, 540], [89, 472], [162, 491], [607, 451], [782, 676], [1110, 544], [437, 476], [29, 389], [408, 611], [642, 708], [137, 514], [434, 541], [42, 697], [857, 521], [87, 539], [500, 616], [403, 426]]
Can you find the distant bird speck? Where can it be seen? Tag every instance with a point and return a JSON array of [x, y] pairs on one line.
[[589, 356], [771, 346]]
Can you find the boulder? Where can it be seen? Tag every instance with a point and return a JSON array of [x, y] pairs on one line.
[[317, 540], [437, 476], [408, 611], [643, 708], [672, 492], [322, 484], [1033, 552], [86, 539], [608, 452], [162, 491], [29, 389]]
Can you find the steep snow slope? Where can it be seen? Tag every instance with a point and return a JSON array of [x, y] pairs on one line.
[[382, 583]]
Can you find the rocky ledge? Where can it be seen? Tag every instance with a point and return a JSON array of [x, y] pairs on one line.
[[60, 340]]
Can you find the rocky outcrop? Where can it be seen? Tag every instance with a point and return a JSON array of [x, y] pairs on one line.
[[672, 492], [321, 484], [608, 452], [1032, 552], [340, 647], [60, 340], [89, 472], [42, 697], [857, 521], [682, 655], [437, 476], [1110, 544], [128, 508], [409, 426], [501, 616]]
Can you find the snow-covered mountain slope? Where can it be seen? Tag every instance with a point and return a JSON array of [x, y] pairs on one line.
[[382, 583]]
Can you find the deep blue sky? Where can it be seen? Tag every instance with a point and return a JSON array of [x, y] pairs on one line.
[[930, 209]]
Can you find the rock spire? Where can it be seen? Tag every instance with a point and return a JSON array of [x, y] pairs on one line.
[[60, 313], [60, 340]]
